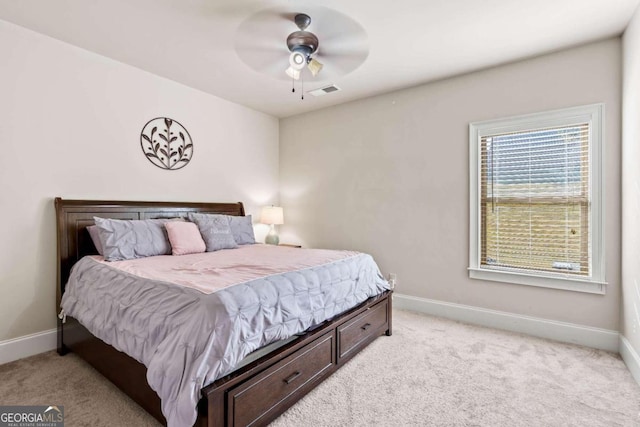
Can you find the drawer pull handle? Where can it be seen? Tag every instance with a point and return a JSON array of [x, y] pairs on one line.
[[366, 326], [292, 377]]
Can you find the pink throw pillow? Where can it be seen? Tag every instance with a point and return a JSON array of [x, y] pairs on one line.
[[185, 238]]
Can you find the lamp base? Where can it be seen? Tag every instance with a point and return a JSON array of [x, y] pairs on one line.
[[272, 239]]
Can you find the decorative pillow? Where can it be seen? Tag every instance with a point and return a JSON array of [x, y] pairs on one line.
[[95, 238], [215, 231], [242, 229], [185, 238], [128, 239]]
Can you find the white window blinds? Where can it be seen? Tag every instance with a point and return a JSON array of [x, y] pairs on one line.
[[534, 200]]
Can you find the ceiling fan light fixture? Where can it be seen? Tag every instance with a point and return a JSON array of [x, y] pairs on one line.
[[297, 60], [293, 73], [314, 66], [302, 44]]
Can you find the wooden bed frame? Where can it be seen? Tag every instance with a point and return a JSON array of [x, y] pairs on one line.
[[252, 395]]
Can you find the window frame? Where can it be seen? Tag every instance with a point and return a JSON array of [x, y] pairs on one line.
[[592, 114]]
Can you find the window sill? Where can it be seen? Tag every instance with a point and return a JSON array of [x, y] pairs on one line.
[[554, 282]]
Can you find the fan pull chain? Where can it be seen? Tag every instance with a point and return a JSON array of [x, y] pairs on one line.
[[293, 85], [302, 85]]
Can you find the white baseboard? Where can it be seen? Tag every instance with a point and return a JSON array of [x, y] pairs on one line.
[[28, 345], [604, 339], [630, 357]]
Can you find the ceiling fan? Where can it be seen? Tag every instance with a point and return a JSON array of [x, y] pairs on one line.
[[262, 43], [302, 44]]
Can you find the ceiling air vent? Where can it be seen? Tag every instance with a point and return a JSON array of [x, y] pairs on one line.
[[324, 90]]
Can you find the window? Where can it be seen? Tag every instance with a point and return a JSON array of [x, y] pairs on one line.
[[536, 200]]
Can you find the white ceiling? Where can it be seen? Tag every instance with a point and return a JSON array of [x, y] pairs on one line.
[[410, 41]]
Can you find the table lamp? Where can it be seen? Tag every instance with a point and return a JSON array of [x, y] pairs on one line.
[[272, 215]]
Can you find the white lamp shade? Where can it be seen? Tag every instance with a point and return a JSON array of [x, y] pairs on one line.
[[293, 73], [315, 67], [272, 215]]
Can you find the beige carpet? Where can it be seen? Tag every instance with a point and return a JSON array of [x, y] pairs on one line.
[[431, 372]]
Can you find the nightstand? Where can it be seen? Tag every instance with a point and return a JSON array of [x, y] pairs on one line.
[[290, 245]]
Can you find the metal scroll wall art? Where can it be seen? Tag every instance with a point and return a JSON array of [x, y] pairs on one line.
[[166, 143]]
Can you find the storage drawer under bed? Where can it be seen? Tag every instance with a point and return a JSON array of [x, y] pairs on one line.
[[258, 400], [257, 396], [362, 329]]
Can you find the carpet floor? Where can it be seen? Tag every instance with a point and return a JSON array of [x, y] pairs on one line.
[[431, 372]]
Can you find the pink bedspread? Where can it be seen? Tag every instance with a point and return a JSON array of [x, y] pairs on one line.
[[211, 271]]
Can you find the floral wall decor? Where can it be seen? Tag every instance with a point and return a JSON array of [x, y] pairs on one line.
[[166, 143]]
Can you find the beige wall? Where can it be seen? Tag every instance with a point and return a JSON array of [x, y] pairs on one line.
[[631, 184], [70, 124], [389, 175]]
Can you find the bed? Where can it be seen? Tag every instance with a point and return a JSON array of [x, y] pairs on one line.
[[266, 383]]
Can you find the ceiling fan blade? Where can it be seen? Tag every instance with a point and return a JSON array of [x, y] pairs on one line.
[[334, 27], [273, 23], [274, 52], [341, 51], [345, 60], [263, 62], [276, 69], [340, 46], [330, 55], [347, 44], [263, 45]]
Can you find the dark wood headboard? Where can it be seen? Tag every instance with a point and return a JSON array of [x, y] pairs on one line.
[[74, 216]]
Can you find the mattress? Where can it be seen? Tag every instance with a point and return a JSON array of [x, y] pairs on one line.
[[193, 319]]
